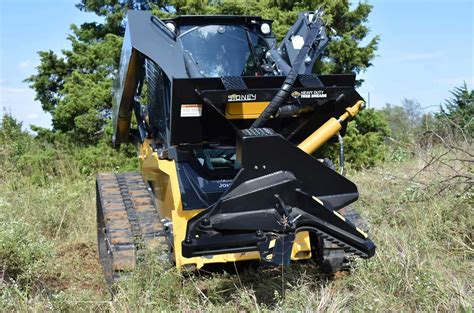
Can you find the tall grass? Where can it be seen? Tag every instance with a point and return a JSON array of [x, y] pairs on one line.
[[420, 220]]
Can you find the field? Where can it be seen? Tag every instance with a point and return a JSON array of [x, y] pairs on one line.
[[419, 206]]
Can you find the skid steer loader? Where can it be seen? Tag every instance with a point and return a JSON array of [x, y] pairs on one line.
[[225, 143]]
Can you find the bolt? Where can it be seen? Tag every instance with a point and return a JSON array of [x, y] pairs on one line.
[[188, 240], [259, 233], [264, 166], [256, 167], [205, 222]]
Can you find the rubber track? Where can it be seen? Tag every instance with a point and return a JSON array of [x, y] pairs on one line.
[[130, 224], [339, 244], [336, 255]]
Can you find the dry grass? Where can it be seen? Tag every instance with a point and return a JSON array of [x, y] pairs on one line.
[[421, 222]]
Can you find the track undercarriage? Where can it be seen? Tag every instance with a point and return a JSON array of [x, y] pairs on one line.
[[128, 227]]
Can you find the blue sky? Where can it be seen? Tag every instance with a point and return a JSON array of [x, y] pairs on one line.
[[426, 49]]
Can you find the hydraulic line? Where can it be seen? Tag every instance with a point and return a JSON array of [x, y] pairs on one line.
[[285, 91], [341, 153]]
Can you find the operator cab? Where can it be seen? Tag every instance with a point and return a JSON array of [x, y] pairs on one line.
[[218, 46], [221, 46]]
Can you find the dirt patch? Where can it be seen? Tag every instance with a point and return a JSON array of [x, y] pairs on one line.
[[80, 267], [81, 249]]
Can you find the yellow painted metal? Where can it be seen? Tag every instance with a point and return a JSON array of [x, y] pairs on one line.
[[301, 247], [329, 129], [320, 136], [244, 110], [163, 175], [352, 111], [362, 232], [339, 215]]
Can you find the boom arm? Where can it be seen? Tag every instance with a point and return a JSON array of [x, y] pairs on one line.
[[302, 46], [145, 37]]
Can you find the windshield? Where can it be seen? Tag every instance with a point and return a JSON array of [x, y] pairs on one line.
[[224, 50]]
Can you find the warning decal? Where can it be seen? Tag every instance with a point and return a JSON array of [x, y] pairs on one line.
[[191, 110]]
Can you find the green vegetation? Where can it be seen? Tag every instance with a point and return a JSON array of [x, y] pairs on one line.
[[418, 199], [458, 112], [417, 207]]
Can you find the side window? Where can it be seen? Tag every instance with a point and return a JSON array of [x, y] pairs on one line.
[[158, 101], [217, 159]]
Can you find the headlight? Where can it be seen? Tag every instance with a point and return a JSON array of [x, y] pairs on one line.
[[265, 29], [171, 26]]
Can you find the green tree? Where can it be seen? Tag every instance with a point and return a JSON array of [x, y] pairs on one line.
[[397, 119], [457, 113], [365, 138], [413, 112], [75, 86], [404, 120]]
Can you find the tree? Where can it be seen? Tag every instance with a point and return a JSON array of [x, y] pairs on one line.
[[397, 119], [365, 139], [75, 87], [413, 112], [404, 120], [458, 112]]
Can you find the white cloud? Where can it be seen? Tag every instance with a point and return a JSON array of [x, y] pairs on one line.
[[32, 116], [11, 91], [423, 56], [455, 81], [20, 102], [26, 64]]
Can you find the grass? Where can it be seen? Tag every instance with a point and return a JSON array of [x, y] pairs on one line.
[[421, 223]]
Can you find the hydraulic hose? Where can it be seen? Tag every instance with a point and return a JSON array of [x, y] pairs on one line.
[[341, 154], [278, 100], [285, 91]]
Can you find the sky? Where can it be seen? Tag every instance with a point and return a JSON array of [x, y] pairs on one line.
[[426, 49]]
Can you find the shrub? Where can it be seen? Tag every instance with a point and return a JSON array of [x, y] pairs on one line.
[[24, 253], [52, 155]]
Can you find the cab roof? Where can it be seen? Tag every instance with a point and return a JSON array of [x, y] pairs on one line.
[[197, 20]]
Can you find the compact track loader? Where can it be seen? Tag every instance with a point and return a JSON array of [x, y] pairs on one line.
[[225, 139]]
